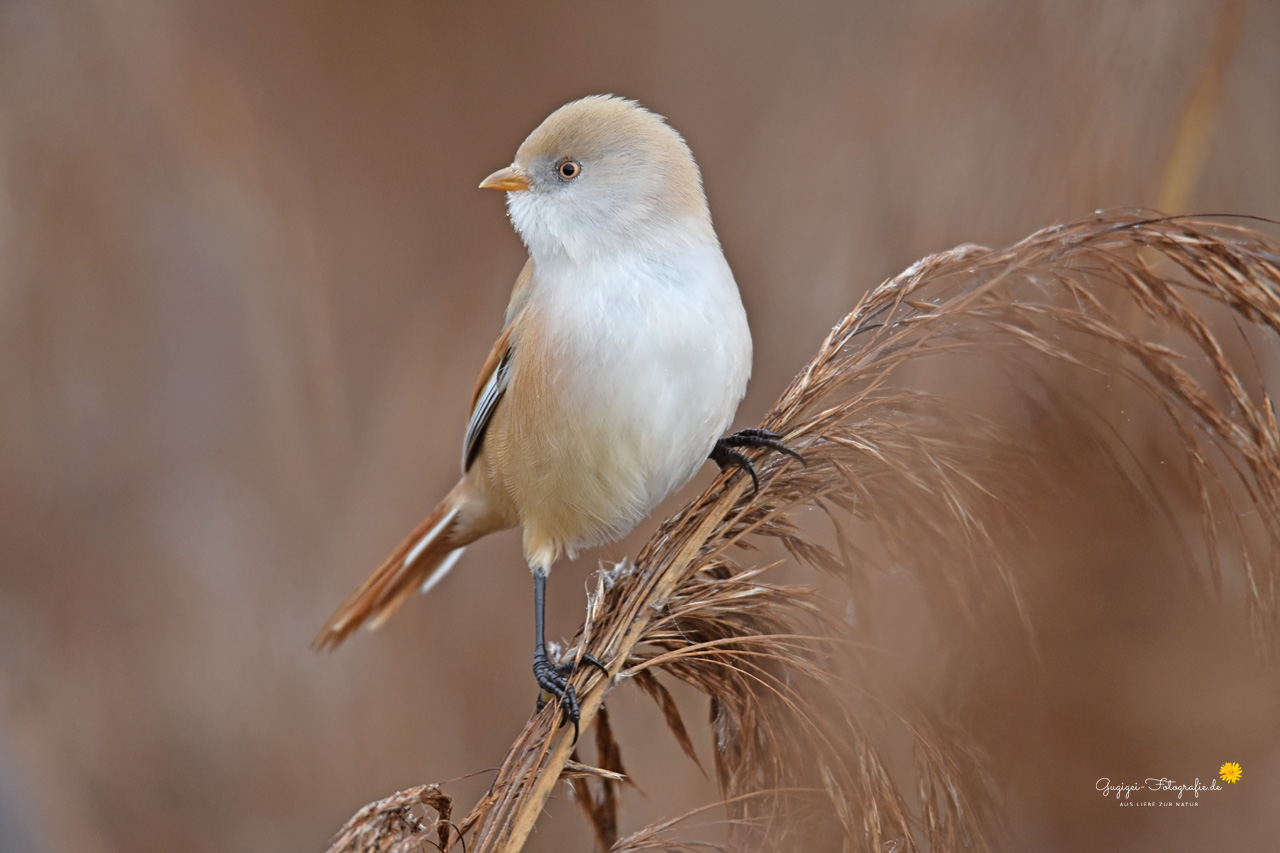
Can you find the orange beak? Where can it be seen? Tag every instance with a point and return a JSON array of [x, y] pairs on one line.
[[511, 179]]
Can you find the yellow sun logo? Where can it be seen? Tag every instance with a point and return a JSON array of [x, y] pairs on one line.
[[1230, 772]]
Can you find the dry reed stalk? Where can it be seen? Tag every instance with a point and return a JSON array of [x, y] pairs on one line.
[[1185, 161], [917, 482]]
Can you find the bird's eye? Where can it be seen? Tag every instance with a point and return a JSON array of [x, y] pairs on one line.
[[569, 170]]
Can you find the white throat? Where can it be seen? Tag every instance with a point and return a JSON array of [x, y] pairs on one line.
[[555, 230]]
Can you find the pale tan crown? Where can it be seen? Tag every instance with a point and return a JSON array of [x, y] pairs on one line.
[[620, 144]]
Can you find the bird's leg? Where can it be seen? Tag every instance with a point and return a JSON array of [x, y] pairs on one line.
[[726, 453], [553, 684]]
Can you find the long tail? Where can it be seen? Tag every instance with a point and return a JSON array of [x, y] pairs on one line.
[[420, 561]]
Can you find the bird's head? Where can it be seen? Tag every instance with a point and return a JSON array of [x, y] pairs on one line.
[[600, 174]]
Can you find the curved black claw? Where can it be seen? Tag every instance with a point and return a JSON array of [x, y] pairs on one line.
[[762, 438], [726, 457], [570, 668], [725, 453], [554, 684]]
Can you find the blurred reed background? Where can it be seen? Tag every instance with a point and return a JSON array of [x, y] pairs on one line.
[[246, 281]]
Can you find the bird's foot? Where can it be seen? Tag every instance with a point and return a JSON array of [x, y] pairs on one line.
[[554, 681], [726, 453]]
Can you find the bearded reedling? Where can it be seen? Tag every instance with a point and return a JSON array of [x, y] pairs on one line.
[[623, 358]]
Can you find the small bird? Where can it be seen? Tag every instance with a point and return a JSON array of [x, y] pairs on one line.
[[622, 360]]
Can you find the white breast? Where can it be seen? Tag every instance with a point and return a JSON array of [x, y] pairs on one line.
[[656, 354]]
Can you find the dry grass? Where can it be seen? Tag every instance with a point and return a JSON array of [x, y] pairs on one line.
[[921, 483]]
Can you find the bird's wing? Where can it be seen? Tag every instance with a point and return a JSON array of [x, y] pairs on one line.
[[493, 382], [495, 372], [520, 292]]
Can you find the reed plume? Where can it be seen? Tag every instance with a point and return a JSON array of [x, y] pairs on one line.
[[929, 418]]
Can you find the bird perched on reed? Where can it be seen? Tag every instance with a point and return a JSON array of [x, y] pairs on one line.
[[623, 357]]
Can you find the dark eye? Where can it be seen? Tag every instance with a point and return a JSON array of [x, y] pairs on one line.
[[569, 170]]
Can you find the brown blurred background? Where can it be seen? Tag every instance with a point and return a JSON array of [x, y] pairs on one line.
[[246, 279]]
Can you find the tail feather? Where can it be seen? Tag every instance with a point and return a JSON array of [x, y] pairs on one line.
[[441, 570], [419, 562]]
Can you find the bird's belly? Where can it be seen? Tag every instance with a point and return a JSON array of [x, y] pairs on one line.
[[622, 415]]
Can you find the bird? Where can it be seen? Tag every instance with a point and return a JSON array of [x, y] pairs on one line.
[[622, 359]]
